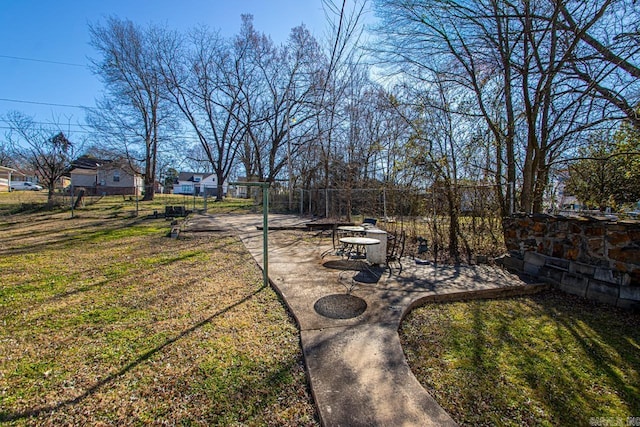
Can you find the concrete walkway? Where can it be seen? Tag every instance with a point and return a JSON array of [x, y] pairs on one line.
[[357, 369]]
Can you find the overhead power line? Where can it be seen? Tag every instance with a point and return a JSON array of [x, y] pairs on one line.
[[42, 103], [19, 58]]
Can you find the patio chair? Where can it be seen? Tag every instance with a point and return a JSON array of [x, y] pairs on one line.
[[395, 248], [423, 247], [371, 221], [334, 238], [337, 248]]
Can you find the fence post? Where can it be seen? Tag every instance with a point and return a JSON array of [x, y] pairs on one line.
[[326, 203], [301, 202], [384, 203], [205, 199], [72, 192]]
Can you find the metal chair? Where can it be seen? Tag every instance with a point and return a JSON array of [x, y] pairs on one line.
[[395, 248], [371, 221], [337, 248], [423, 247]]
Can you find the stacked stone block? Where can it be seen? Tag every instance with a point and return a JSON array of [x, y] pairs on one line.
[[593, 257]]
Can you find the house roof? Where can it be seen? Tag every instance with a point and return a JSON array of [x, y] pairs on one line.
[[92, 164], [189, 176], [23, 173], [86, 162], [83, 171]]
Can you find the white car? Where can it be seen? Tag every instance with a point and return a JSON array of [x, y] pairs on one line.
[[24, 185]]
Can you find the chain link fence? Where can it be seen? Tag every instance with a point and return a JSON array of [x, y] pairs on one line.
[[424, 217]]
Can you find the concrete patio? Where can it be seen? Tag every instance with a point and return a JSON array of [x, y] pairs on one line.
[[357, 369]]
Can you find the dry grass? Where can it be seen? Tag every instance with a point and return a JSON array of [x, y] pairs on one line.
[[478, 237], [105, 321]]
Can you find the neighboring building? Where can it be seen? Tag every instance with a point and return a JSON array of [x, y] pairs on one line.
[[6, 176], [241, 191], [158, 188], [477, 197], [63, 182], [557, 199], [199, 184], [105, 177], [22, 175]]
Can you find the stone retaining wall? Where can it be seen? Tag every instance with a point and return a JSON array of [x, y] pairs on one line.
[[596, 258]]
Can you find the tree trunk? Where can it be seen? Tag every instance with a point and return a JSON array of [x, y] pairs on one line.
[[219, 188], [50, 190], [148, 183]]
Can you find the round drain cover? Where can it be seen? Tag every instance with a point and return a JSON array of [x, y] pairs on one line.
[[340, 306]]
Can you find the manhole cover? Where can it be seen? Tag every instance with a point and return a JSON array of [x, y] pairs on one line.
[[340, 306]]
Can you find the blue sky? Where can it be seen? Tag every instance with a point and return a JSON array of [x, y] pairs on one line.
[[53, 39]]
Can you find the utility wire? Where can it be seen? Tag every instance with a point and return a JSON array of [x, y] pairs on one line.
[[42, 103], [71, 64]]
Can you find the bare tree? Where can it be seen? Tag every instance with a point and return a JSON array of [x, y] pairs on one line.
[[607, 58], [202, 78], [6, 154], [439, 149], [133, 107], [45, 150], [517, 58], [345, 32], [470, 43], [281, 100]]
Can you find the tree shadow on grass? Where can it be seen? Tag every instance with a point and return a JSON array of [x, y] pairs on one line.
[[56, 238], [269, 386], [610, 339], [13, 416], [579, 361]]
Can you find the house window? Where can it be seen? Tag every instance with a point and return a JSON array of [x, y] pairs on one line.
[[197, 178], [116, 176], [187, 189]]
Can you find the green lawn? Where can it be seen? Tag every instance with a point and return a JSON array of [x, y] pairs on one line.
[[105, 321], [19, 202], [545, 360]]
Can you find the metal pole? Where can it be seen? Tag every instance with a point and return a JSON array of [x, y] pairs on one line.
[[301, 202], [265, 233], [289, 167], [326, 203], [384, 203], [265, 225]]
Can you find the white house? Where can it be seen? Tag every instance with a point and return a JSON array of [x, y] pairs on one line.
[[199, 184]]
